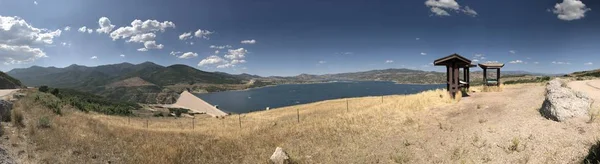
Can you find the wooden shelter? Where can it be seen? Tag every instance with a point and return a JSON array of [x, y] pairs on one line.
[[453, 65], [486, 80]]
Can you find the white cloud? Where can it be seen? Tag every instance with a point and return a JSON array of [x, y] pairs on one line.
[[142, 38], [185, 36], [14, 54], [152, 45], [66, 44], [122, 55], [68, 28], [439, 12], [441, 7], [220, 47], [516, 62], [418, 39], [237, 61], [142, 49], [423, 53], [203, 34], [570, 10], [467, 10], [188, 55], [18, 40], [345, 53], [226, 65], [35, 3], [175, 53], [536, 62], [105, 25], [560, 63], [94, 57], [248, 41], [588, 63], [85, 29], [191, 43], [236, 54], [16, 31], [475, 60], [389, 61], [217, 51], [512, 51], [322, 62], [212, 60], [138, 27]]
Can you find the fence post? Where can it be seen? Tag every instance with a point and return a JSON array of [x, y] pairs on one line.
[[128, 120], [193, 122], [347, 105], [146, 123], [298, 114], [382, 99], [240, 120]]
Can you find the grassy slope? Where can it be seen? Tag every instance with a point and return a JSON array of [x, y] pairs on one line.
[[327, 133]]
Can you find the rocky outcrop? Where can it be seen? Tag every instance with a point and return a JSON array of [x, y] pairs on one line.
[[5, 108], [563, 103], [280, 157]]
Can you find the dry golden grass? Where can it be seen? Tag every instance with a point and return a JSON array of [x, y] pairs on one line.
[[334, 131]]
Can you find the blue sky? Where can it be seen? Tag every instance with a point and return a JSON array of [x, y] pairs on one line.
[[289, 37]]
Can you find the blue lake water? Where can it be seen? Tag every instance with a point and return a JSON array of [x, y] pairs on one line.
[[293, 94]]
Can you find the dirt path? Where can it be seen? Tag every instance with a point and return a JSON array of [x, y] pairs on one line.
[[589, 87], [500, 127]]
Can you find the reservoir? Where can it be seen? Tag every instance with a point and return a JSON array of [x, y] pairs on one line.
[[294, 94]]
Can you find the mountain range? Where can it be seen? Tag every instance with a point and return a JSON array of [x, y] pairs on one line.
[[152, 83]]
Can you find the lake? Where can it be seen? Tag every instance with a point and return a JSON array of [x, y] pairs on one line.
[[293, 94]]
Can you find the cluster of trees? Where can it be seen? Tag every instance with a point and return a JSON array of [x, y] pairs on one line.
[[88, 102]]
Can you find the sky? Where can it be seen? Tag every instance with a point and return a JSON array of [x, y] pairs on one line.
[[290, 37]]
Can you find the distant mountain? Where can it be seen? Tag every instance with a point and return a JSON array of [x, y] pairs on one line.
[[406, 76], [8, 82], [117, 80]]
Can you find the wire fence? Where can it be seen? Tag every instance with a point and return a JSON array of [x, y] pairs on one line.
[[301, 113]]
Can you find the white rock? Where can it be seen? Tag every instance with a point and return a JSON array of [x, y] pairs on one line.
[[280, 157], [563, 103]]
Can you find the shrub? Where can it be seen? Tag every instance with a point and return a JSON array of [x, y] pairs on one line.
[[44, 122], [593, 154], [178, 111], [159, 114], [55, 91], [17, 118], [43, 89]]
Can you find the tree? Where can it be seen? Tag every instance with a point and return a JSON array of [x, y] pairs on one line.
[[43, 88], [55, 92]]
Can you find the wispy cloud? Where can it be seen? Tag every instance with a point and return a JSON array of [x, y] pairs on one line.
[[560, 63], [248, 41], [94, 57], [423, 53], [389, 61], [122, 55], [513, 52], [322, 62], [516, 62], [588, 63]]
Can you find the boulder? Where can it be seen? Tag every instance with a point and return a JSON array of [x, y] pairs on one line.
[[5, 109], [562, 103], [280, 157]]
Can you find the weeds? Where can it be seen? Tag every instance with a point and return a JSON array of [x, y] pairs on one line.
[[515, 145], [593, 154], [44, 122], [17, 118]]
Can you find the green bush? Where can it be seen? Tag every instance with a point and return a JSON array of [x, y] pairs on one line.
[[178, 111], [43, 89], [17, 118], [159, 114], [532, 80], [55, 91], [44, 122]]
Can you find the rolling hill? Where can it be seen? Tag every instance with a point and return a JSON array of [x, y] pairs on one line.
[[8, 82], [120, 81]]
